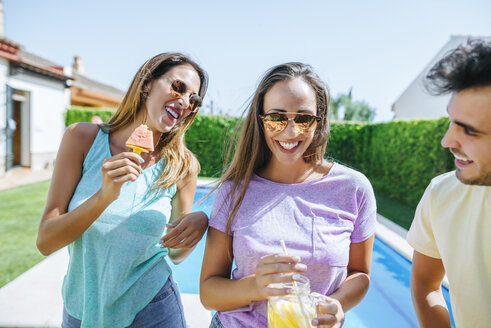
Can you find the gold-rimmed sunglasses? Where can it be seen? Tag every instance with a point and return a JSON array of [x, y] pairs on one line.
[[178, 89], [277, 122]]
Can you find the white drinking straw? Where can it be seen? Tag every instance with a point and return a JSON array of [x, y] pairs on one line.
[[295, 289]]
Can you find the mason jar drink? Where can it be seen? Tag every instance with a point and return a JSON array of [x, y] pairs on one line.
[[295, 310]]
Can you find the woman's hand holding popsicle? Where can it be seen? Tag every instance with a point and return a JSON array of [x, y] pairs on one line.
[[125, 166], [117, 170], [276, 268]]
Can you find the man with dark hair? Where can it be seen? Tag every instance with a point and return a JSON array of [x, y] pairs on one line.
[[451, 231]]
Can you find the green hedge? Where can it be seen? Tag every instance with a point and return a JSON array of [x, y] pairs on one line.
[[348, 144], [406, 155], [398, 157], [76, 114], [208, 138]]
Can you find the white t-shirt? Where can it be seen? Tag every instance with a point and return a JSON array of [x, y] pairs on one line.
[[453, 222]]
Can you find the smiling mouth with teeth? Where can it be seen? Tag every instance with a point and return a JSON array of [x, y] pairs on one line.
[[288, 145], [172, 113], [462, 159]]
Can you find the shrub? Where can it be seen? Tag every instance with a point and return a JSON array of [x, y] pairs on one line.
[[208, 138], [76, 114], [348, 144], [400, 157]]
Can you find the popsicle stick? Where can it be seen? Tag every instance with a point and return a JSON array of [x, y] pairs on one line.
[[137, 149]]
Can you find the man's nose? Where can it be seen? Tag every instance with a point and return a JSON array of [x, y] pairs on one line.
[[449, 140]]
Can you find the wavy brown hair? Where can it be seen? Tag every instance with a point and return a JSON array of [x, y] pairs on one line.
[[178, 157], [467, 66], [251, 152]]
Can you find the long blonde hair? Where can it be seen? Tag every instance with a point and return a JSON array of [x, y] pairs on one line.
[[252, 153], [178, 158]]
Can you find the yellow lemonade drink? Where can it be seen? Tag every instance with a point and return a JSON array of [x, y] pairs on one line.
[[286, 312]]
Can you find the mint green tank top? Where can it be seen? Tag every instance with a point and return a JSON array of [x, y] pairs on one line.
[[117, 266]]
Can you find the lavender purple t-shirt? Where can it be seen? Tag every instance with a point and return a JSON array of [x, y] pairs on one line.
[[317, 220]]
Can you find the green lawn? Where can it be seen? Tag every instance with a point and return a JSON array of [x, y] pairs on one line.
[[394, 210], [207, 178], [21, 210]]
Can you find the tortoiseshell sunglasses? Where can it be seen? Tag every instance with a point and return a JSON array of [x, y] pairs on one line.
[[178, 89], [277, 122]]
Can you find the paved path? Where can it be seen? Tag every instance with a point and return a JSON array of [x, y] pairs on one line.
[[21, 176]]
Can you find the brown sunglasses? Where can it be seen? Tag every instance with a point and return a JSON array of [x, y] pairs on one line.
[[178, 89], [277, 122]]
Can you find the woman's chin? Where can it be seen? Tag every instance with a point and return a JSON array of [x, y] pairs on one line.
[[166, 126]]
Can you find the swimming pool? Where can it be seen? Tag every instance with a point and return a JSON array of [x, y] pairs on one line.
[[387, 303]]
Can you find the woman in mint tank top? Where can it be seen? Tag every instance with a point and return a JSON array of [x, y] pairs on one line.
[[279, 187], [111, 206]]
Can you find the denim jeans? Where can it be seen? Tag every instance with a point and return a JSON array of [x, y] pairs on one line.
[[164, 310], [215, 322]]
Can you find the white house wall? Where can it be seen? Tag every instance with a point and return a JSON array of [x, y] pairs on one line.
[[25, 158], [48, 102], [4, 69], [415, 102]]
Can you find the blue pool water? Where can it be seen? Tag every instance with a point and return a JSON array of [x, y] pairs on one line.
[[387, 303]]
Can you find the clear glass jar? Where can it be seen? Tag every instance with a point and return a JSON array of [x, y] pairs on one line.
[[295, 310]]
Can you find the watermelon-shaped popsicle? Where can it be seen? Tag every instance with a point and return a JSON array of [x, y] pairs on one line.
[[141, 140]]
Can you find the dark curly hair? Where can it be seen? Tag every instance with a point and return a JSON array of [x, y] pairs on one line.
[[467, 66]]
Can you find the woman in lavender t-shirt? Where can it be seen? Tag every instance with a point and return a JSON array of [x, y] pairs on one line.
[[279, 187]]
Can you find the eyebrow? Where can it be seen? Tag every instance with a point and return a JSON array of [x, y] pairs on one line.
[[468, 127], [308, 111]]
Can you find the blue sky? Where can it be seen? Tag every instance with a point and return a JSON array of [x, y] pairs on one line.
[[376, 47]]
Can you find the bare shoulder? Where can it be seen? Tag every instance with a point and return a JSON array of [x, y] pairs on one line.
[[80, 136], [82, 130]]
